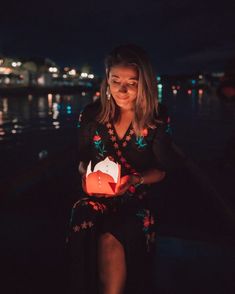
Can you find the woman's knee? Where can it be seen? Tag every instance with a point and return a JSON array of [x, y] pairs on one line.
[[108, 242]]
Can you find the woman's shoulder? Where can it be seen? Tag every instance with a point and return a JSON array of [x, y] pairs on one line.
[[90, 111], [162, 122], [162, 116]]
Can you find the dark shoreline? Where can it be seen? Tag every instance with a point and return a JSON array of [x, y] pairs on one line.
[[19, 91]]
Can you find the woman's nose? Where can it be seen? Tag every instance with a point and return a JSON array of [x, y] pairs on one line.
[[123, 88]]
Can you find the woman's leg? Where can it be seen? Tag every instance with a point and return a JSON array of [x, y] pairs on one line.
[[111, 264], [82, 246]]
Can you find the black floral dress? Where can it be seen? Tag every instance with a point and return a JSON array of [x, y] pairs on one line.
[[129, 218]]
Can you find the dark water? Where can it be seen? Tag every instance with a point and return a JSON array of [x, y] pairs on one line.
[[202, 125]]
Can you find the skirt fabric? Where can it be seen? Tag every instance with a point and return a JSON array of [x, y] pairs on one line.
[[130, 220]]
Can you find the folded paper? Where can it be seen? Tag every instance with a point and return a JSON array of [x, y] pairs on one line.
[[104, 179]]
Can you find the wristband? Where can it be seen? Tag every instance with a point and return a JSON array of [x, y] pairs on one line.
[[141, 180]]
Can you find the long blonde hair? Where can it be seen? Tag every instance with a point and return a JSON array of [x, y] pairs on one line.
[[146, 104]]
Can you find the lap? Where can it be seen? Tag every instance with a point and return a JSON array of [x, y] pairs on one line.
[[128, 222]]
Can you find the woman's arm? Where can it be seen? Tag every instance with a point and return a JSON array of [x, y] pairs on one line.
[[148, 177], [82, 167]]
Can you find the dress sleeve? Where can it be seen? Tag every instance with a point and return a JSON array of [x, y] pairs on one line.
[[85, 126], [165, 155]]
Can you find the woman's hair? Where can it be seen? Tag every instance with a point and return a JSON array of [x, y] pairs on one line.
[[146, 103]]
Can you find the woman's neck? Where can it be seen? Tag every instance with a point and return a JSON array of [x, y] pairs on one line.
[[127, 111], [126, 114]]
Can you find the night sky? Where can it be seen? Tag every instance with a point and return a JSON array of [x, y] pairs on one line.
[[179, 35]]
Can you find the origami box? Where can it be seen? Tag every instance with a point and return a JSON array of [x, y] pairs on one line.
[[104, 179]]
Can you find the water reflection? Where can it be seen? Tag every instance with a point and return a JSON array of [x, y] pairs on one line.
[[42, 107], [48, 112], [201, 122]]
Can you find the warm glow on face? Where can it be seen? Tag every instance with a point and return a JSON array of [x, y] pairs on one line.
[[123, 83]]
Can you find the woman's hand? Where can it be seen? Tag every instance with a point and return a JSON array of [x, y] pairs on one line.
[[125, 184]]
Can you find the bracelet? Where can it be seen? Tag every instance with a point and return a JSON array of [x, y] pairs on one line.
[[141, 180]]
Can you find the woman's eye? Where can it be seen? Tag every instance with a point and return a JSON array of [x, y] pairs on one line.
[[115, 82], [133, 84]]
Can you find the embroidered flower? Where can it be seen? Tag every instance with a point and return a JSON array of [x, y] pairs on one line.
[[132, 189], [76, 229], [96, 138], [168, 126], [128, 137], [119, 153], [124, 144], [108, 125], [127, 165], [99, 144], [115, 145], [84, 225], [90, 224], [123, 160], [140, 142], [148, 221], [147, 218], [145, 132], [111, 132], [113, 138], [97, 206]]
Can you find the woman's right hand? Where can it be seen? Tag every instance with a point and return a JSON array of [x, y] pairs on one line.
[[84, 183]]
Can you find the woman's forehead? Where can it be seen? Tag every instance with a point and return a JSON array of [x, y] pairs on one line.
[[124, 71]]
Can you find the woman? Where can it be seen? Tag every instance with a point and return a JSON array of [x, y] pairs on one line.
[[112, 238]]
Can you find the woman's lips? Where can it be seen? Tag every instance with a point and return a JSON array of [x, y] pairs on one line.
[[122, 97]]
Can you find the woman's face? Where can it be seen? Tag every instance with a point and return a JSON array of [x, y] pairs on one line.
[[123, 83]]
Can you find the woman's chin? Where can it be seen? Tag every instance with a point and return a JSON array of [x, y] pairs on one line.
[[124, 104]]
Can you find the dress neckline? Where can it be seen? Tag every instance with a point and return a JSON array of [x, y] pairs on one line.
[[125, 134]]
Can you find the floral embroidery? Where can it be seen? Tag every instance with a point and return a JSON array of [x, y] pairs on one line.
[[168, 126], [119, 153], [132, 189], [97, 206], [111, 132], [116, 146], [123, 160], [140, 142], [127, 165], [83, 226], [76, 229], [148, 226], [145, 132], [99, 145]]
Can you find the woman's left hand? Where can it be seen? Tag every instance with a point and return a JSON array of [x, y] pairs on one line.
[[125, 184]]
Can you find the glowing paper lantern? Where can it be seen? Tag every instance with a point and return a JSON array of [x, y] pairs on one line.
[[104, 179]]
